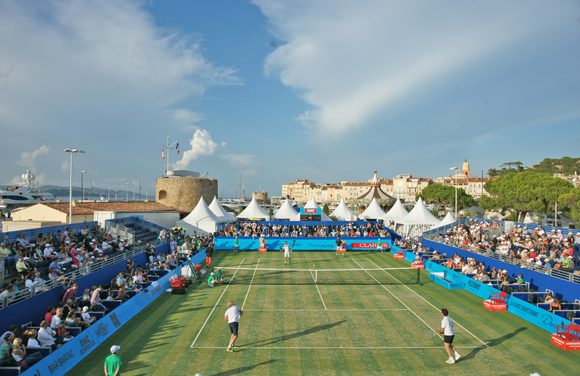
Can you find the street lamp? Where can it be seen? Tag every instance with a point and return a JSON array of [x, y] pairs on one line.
[[455, 175], [71, 151], [83, 172]]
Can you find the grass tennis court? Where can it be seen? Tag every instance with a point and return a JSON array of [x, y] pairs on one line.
[[358, 322]]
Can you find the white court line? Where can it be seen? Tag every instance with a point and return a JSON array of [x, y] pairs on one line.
[[317, 289], [249, 287], [322, 310], [215, 306], [428, 302], [338, 347], [400, 301]]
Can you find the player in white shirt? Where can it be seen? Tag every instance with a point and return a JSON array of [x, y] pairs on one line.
[[448, 335], [287, 251], [232, 315]]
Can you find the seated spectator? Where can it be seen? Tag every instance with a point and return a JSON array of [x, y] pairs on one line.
[[62, 333], [6, 359], [549, 298], [7, 294], [520, 280], [46, 335], [50, 311], [57, 319], [32, 340], [21, 357], [85, 299], [22, 267], [555, 305], [86, 316]]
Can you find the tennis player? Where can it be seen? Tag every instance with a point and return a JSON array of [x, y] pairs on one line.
[[338, 245], [232, 315], [379, 245], [448, 335], [287, 252]]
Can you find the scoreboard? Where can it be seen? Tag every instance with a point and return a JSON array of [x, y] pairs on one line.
[[314, 214]]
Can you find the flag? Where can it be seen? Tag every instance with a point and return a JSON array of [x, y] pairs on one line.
[[177, 148], [163, 153]]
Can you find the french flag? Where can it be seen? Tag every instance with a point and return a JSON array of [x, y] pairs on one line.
[[163, 153], [177, 148]]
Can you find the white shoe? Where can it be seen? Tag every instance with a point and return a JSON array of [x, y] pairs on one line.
[[450, 361], [457, 356]]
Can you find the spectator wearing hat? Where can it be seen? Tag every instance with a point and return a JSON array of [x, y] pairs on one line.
[[86, 316], [113, 362]]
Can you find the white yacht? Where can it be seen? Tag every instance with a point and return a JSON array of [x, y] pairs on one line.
[[24, 193]]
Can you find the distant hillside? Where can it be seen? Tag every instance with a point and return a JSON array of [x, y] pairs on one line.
[[95, 193], [564, 165]]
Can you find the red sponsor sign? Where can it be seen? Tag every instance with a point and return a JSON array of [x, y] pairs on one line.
[[310, 211], [364, 245]]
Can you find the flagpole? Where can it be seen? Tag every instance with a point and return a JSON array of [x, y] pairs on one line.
[[168, 147]]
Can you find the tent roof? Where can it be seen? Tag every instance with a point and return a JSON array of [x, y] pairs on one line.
[[253, 210], [222, 214], [419, 215], [311, 204], [286, 211], [201, 213], [342, 212], [447, 220], [397, 212], [373, 211]]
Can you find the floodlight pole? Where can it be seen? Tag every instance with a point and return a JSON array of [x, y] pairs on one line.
[[455, 176], [71, 151]]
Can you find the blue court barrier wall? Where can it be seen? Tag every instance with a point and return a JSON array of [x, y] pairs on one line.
[[32, 308], [74, 351], [527, 311], [301, 243], [566, 290]]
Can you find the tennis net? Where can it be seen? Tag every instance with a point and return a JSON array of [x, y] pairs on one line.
[[295, 276]]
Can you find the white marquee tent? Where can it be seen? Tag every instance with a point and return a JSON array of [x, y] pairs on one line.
[[201, 219], [396, 213], [417, 221], [447, 220], [286, 211], [343, 213], [254, 211], [373, 211], [222, 214], [311, 204]]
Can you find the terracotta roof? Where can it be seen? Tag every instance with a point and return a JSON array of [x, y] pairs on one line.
[[80, 208]]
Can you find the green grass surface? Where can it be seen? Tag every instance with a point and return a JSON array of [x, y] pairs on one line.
[[351, 323]]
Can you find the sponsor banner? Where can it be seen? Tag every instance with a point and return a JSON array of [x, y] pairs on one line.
[[69, 355], [537, 316], [301, 244]]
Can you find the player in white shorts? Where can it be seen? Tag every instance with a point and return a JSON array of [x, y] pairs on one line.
[[287, 252]]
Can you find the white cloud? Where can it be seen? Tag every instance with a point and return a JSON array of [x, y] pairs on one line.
[[352, 61], [201, 144], [240, 160], [28, 158], [97, 72]]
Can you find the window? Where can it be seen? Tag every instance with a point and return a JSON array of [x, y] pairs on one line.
[[162, 194]]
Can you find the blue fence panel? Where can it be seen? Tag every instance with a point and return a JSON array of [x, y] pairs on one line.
[[566, 290], [74, 351], [31, 234], [537, 316], [300, 243]]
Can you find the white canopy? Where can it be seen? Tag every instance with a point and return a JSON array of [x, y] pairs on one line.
[[311, 204], [373, 211], [286, 211], [222, 214], [419, 215], [396, 213], [447, 220], [201, 219], [254, 211], [343, 213], [418, 220]]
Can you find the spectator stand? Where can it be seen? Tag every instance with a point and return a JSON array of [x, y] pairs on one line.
[[66, 357]]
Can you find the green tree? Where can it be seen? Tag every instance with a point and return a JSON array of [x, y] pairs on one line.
[[325, 209], [524, 192], [444, 195], [564, 165], [570, 202]]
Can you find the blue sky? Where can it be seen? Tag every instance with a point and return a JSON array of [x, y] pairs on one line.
[[280, 90]]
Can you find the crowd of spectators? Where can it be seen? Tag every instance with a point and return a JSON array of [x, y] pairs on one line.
[[530, 247], [34, 263], [351, 229]]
